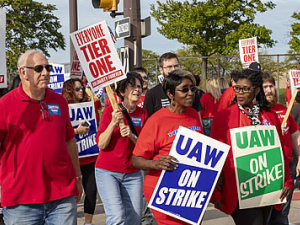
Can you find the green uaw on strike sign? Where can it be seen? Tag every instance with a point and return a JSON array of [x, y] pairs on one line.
[[259, 165]]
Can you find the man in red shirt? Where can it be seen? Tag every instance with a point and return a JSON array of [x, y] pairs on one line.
[[40, 174], [291, 129]]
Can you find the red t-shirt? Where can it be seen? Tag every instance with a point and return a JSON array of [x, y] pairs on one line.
[[291, 125], [157, 136], [155, 140], [209, 106], [35, 164], [140, 102], [107, 101], [226, 99], [220, 130], [288, 95], [98, 106], [117, 156]]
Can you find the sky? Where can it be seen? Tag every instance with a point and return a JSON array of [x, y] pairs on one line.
[[278, 20]]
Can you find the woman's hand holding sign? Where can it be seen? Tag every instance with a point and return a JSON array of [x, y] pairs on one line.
[[286, 191], [116, 116], [165, 162]]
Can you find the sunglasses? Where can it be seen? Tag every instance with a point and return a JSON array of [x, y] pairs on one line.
[[145, 77], [39, 68], [78, 88], [44, 110], [186, 89]]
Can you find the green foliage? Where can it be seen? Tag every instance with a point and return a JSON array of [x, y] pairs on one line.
[[30, 25], [214, 26], [150, 62], [295, 33]]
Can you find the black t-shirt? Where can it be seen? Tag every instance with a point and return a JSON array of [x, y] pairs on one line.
[[155, 99]]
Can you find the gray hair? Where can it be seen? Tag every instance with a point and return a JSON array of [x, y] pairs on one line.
[[24, 57]]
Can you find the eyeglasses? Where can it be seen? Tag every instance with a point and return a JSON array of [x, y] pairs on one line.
[[186, 89], [78, 88], [177, 66], [145, 77], [44, 110], [39, 68], [243, 89]]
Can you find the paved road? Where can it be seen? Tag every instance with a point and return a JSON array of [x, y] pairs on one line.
[[212, 216]]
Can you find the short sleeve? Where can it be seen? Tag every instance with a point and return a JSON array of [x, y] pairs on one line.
[[145, 145]]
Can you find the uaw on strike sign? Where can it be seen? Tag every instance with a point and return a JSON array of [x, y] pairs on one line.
[[85, 112], [98, 56], [57, 77], [185, 192], [259, 165]]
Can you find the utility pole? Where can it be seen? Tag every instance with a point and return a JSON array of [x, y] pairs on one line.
[[73, 23], [132, 9]]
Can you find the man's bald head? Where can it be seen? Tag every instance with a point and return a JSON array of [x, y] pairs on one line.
[[26, 59]]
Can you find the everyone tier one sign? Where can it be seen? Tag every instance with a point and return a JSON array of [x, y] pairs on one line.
[[98, 55]]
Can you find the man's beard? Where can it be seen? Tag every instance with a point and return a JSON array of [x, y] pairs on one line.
[[271, 99]]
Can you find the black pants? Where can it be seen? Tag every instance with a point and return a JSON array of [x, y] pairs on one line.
[[251, 216], [89, 186]]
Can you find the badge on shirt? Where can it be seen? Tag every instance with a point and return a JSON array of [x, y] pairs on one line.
[[54, 109], [137, 121]]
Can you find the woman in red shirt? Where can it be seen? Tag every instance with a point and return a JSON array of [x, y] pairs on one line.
[[74, 92], [209, 104], [249, 108], [119, 183], [155, 141]]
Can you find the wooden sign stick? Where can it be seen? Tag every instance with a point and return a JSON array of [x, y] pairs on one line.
[[113, 102], [288, 110]]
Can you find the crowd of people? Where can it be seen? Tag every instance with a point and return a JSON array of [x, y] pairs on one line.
[[42, 177]]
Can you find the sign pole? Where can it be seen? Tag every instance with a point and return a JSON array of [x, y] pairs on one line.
[[132, 9], [288, 110], [113, 102]]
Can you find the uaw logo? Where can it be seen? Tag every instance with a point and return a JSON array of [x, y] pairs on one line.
[[266, 122]]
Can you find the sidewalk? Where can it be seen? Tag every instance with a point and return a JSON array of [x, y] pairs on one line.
[[212, 216]]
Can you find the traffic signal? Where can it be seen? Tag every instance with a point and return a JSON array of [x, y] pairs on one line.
[[106, 5]]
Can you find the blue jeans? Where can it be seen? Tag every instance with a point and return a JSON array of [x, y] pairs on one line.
[[121, 194], [59, 212]]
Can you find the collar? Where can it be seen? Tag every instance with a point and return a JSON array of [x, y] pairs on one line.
[[24, 97]]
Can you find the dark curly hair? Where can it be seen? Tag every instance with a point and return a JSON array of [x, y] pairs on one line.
[[68, 91], [256, 79]]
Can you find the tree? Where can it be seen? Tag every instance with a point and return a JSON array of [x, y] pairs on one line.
[[212, 27], [30, 25], [150, 63], [295, 33]]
